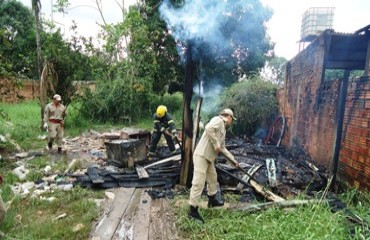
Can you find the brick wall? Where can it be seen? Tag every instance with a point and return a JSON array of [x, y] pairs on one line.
[[310, 107], [307, 105], [13, 91], [354, 165]]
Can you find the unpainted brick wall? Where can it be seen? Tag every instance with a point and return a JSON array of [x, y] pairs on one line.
[[310, 107], [354, 165]]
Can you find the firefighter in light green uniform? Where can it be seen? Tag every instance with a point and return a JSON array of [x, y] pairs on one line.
[[210, 145], [54, 115]]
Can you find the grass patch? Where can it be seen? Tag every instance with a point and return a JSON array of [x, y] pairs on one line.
[[22, 124], [34, 218], [305, 222]]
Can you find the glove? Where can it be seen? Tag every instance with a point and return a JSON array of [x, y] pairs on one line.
[[45, 127]]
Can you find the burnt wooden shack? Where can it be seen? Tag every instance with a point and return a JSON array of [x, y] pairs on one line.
[[330, 118]]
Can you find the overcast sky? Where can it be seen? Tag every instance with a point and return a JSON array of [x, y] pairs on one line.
[[284, 27]]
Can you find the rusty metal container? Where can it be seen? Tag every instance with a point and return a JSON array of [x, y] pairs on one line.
[[125, 153]]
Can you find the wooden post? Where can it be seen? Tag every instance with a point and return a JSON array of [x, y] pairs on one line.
[[187, 123], [339, 126], [196, 122]]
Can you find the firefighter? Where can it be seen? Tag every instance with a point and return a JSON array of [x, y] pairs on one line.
[[163, 124], [210, 145], [54, 115]]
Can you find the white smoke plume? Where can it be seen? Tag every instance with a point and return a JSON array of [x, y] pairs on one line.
[[197, 19]]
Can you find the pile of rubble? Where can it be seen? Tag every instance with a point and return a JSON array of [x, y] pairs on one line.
[[91, 165]]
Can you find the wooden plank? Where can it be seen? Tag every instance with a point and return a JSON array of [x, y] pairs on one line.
[[125, 229], [141, 172], [271, 171], [259, 188], [162, 221], [172, 158], [141, 222], [196, 122], [246, 177], [251, 208], [108, 225]]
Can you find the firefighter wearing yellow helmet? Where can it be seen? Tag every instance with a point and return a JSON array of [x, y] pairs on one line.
[[163, 124]]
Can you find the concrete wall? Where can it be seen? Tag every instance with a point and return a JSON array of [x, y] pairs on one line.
[[310, 107]]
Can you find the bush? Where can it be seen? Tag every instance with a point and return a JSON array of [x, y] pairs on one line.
[[253, 102], [122, 97], [173, 102]]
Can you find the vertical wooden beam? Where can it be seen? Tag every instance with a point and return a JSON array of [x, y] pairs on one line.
[[339, 125], [187, 122]]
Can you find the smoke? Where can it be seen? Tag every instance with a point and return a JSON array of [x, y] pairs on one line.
[[210, 95], [197, 20], [217, 29]]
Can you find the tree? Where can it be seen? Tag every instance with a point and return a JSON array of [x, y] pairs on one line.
[[17, 39], [253, 102], [274, 70]]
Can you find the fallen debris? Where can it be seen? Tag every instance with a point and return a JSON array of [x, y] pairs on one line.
[[251, 208]]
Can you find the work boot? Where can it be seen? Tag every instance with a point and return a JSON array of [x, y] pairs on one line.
[[194, 214], [50, 145], [213, 201], [59, 150]]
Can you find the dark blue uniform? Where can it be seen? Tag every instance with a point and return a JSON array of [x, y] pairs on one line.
[[161, 125]]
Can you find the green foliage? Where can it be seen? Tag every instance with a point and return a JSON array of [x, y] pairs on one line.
[[336, 74], [173, 102], [274, 70], [17, 39], [151, 51], [253, 102], [117, 99]]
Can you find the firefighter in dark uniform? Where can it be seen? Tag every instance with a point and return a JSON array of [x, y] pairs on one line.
[[163, 124]]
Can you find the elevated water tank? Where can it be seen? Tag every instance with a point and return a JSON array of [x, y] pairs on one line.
[[316, 20]]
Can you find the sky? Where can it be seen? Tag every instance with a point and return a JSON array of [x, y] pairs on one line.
[[284, 27]]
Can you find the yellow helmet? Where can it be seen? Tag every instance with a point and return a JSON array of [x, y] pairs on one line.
[[161, 111]]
